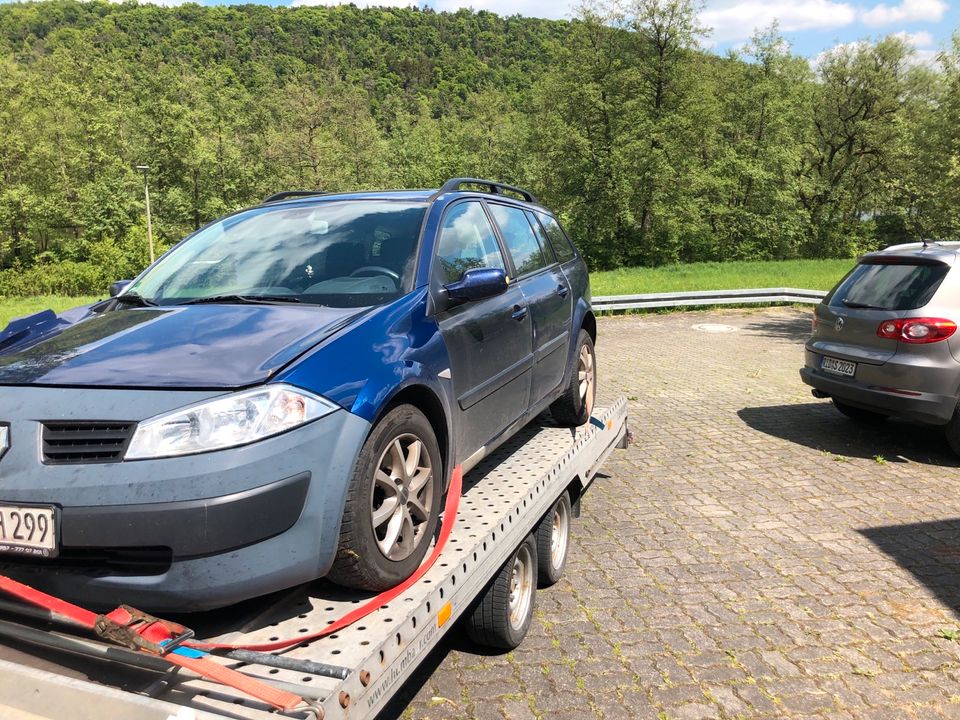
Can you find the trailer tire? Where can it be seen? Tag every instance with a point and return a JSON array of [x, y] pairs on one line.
[[503, 614], [553, 542], [574, 407], [373, 554]]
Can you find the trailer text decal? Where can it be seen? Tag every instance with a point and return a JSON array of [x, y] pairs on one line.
[[398, 668]]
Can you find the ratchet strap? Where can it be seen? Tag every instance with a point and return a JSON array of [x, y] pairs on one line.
[[147, 634]]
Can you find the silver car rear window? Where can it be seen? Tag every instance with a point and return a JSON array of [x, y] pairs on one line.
[[889, 286]]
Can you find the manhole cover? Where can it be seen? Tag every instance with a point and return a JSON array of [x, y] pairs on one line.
[[714, 328]]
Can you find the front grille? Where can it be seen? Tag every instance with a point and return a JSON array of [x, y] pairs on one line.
[[66, 443]]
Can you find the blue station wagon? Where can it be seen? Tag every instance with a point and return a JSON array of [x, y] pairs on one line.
[[284, 395]]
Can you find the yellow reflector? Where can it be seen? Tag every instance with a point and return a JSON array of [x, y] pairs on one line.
[[444, 615]]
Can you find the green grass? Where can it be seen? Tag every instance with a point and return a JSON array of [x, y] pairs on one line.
[[11, 308], [803, 274]]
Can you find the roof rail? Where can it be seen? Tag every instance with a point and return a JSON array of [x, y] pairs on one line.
[[287, 194], [496, 188]]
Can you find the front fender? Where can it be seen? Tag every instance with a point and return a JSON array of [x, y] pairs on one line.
[[365, 367]]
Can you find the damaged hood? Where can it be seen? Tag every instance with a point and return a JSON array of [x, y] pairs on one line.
[[193, 346]]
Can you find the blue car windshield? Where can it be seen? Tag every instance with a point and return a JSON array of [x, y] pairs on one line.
[[339, 253]]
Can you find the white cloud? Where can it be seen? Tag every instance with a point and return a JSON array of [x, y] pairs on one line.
[[739, 20], [837, 50], [919, 39], [922, 43], [906, 12], [930, 58]]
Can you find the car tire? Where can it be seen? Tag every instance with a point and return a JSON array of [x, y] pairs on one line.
[[553, 542], [502, 616], [392, 505], [574, 407], [867, 417]]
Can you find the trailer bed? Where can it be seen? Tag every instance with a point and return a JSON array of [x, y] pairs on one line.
[[503, 499]]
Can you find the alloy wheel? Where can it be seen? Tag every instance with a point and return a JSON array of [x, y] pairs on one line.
[[403, 496], [587, 377]]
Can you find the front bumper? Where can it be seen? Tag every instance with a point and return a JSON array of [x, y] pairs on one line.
[[874, 388], [190, 528], [188, 533]]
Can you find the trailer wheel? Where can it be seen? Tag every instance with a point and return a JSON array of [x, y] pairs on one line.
[[502, 616], [553, 539]]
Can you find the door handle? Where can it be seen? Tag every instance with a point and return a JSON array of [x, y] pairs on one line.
[[519, 313], [562, 290]]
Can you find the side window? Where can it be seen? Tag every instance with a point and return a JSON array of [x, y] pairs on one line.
[[541, 237], [561, 243], [466, 242], [519, 238]]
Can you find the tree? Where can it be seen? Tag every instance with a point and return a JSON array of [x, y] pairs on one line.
[[754, 150], [847, 151]]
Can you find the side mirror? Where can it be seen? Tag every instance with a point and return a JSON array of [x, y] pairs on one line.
[[118, 287], [478, 284]]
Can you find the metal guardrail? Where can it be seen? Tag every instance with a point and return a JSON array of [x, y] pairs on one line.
[[607, 303]]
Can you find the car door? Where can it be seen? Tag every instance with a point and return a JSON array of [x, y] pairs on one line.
[[489, 341], [546, 290]]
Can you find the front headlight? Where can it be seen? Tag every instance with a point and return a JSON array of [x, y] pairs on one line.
[[237, 419]]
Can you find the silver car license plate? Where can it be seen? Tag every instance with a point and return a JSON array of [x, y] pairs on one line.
[[28, 530], [838, 367]]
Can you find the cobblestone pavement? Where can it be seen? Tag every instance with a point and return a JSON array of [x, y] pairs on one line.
[[755, 554]]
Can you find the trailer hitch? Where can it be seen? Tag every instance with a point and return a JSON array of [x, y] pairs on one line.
[[137, 630]]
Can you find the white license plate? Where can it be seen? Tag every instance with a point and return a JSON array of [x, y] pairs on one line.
[[838, 367], [28, 530]]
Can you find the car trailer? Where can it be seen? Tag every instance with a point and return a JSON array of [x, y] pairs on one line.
[[515, 506]]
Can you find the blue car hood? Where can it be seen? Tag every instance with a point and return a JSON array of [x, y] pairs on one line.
[[194, 346]]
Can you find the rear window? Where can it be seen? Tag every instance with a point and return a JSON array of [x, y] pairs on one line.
[[888, 286], [561, 243]]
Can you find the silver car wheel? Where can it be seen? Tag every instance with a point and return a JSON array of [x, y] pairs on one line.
[[587, 377], [559, 535], [521, 587], [402, 497]]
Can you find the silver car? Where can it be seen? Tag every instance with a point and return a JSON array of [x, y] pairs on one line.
[[885, 339]]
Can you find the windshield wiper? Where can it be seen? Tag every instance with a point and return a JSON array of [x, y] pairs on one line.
[[242, 299], [859, 305], [134, 299]]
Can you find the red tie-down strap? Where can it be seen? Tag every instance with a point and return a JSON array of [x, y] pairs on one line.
[[158, 633], [147, 634]]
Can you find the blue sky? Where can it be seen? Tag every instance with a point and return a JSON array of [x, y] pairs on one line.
[[811, 26]]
